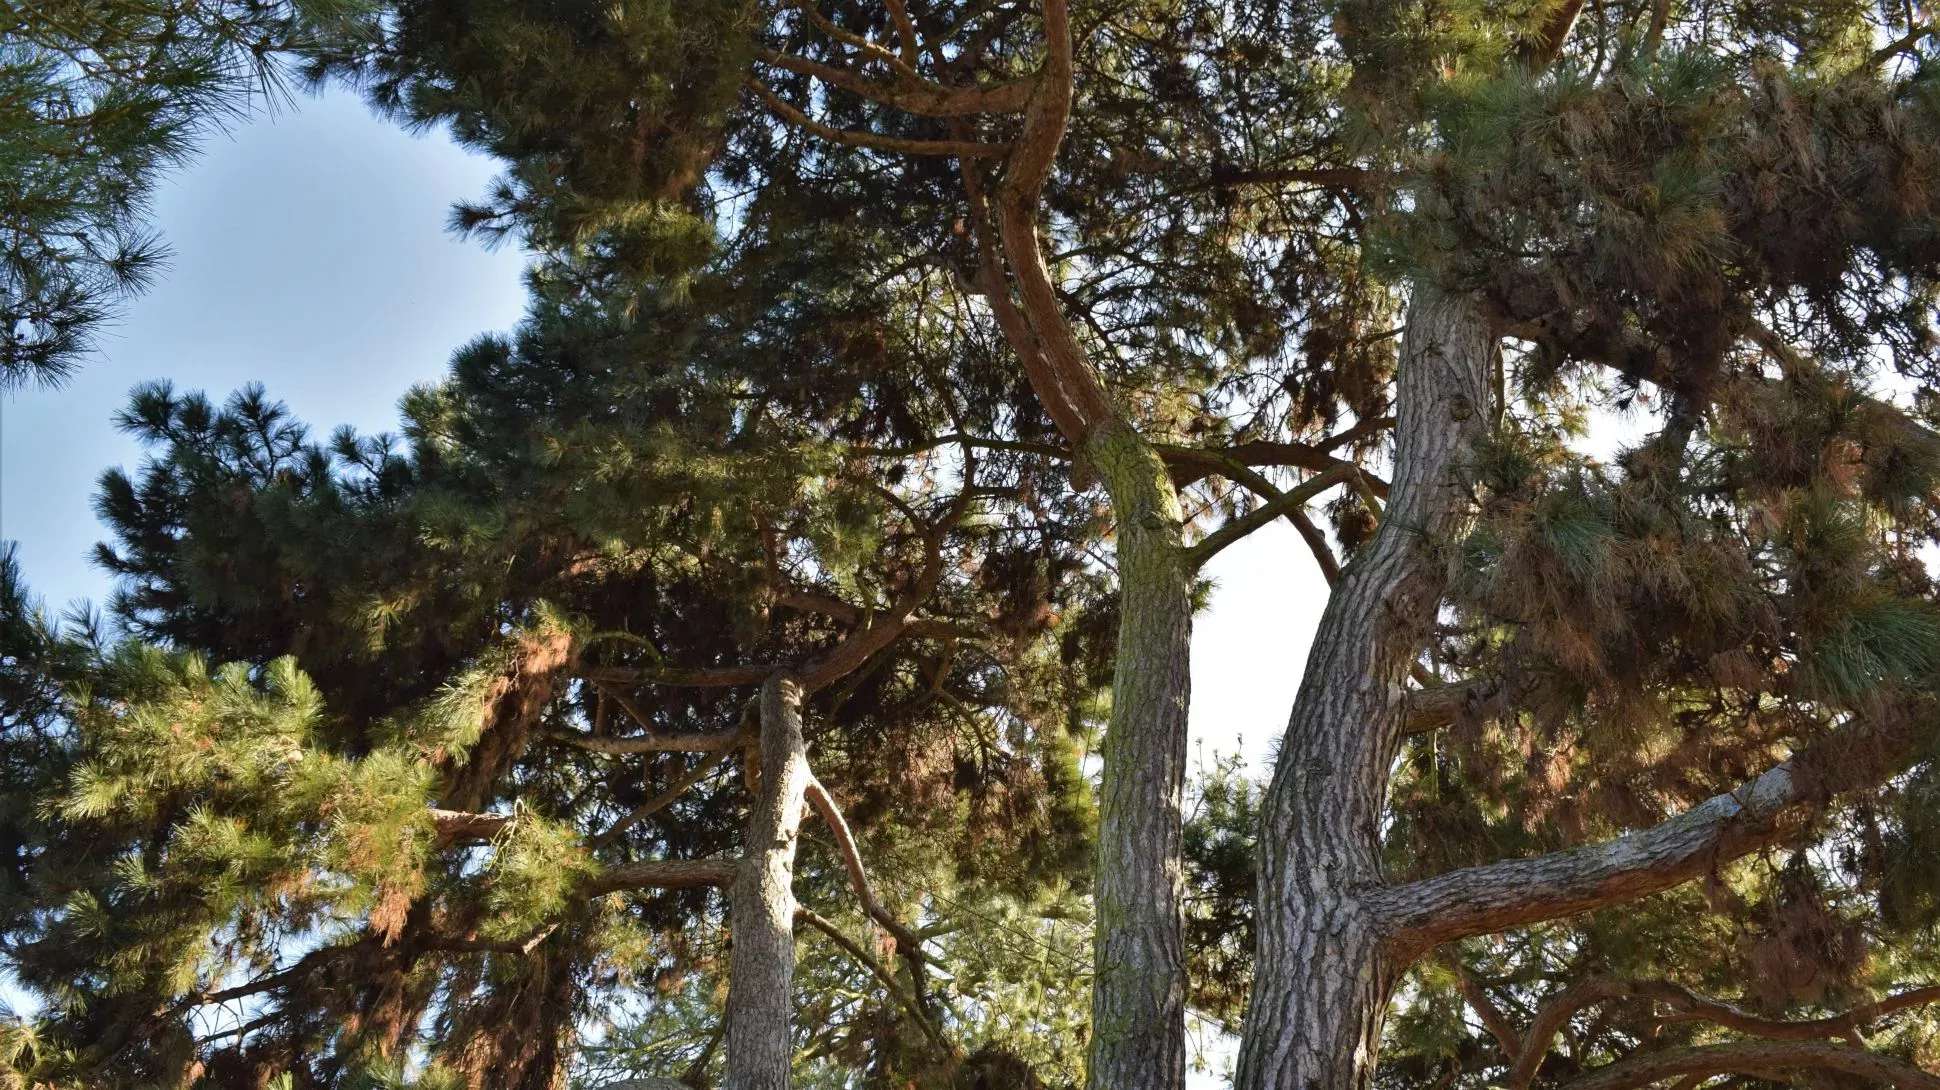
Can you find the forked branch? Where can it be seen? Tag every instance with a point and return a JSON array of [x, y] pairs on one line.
[[881, 972], [907, 942]]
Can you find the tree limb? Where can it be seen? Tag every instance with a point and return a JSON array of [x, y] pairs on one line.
[[699, 677], [1541, 52], [1498, 896], [880, 972], [907, 943], [454, 826], [961, 149], [663, 800], [1189, 464], [1291, 500], [1496, 1022], [1316, 544], [1559, 1009], [919, 97], [1434, 707], [696, 741], [1355, 178], [865, 46], [663, 874], [1906, 43], [1762, 1058]]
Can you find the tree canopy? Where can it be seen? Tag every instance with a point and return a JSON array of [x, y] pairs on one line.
[[891, 371]]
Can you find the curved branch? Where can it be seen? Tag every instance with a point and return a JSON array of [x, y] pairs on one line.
[[962, 149], [1189, 464], [919, 97], [880, 972], [1291, 500], [699, 677], [1761, 1058], [907, 943], [849, 38], [1498, 896], [696, 741], [1353, 178], [1016, 328], [1026, 171]]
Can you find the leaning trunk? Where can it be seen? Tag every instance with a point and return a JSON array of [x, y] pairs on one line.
[[1139, 985], [761, 913], [1323, 979]]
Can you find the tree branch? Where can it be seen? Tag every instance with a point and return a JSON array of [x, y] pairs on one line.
[[663, 800], [905, 30], [1316, 544], [1434, 707], [880, 972], [1560, 1008], [919, 97], [1291, 500], [1493, 1019], [1189, 464], [907, 943], [663, 874], [1354, 178], [1026, 171], [1016, 327], [1540, 53], [1762, 1058], [699, 677], [1641, 360], [473, 944], [865, 46], [695, 741], [1906, 43], [961, 149], [1498, 896], [454, 826]]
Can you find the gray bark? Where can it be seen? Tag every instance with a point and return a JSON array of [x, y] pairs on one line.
[[761, 910], [1516, 892], [1139, 982], [1323, 980]]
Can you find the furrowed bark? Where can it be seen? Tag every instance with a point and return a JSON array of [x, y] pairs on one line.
[[1323, 979], [761, 911], [1138, 990], [1139, 982]]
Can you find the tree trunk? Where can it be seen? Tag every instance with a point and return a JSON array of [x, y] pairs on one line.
[[1139, 983], [761, 903], [1322, 981]]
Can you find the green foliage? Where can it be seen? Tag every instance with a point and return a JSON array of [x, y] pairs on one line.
[[98, 99], [759, 403]]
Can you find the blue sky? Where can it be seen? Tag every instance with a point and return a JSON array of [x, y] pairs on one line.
[[309, 254]]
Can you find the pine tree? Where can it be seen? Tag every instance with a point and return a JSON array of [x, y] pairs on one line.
[[1636, 751], [98, 100], [424, 835]]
